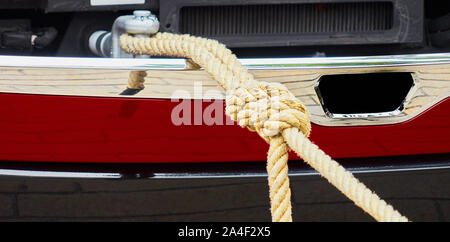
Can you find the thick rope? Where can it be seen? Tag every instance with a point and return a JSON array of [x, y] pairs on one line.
[[270, 110], [136, 79]]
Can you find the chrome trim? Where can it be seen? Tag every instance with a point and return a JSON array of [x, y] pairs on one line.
[[199, 173], [58, 174], [346, 62], [305, 172], [93, 63], [364, 115], [250, 63], [107, 77]]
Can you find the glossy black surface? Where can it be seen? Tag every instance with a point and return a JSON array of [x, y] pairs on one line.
[[417, 186]]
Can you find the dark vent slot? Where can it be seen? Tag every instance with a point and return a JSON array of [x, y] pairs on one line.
[[286, 18], [364, 93]]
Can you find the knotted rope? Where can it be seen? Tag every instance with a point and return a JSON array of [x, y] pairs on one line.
[[269, 109]]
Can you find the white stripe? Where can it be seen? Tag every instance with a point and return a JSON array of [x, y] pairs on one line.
[[57, 174], [115, 2]]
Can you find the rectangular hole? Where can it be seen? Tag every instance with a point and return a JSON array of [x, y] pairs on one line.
[[363, 93]]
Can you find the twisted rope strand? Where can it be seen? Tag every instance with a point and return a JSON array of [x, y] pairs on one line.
[[279, 190], [342, 179], [270, 110]]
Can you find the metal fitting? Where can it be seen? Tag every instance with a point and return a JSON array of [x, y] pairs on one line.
[[141, 23], [100, 43]]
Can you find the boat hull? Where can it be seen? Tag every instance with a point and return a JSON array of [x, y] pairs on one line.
[[73, 109], [135, 130]]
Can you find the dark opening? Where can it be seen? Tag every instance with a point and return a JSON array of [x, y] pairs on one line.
[[364, 93]]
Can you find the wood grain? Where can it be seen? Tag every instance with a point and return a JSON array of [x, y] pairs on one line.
[[432, 84]]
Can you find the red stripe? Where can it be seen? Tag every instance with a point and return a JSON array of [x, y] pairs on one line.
[[88, 129]]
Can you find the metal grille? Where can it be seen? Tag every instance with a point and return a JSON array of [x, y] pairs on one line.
[[286, 18]]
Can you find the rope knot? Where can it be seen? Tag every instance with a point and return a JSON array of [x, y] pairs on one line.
[[268, 109]]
